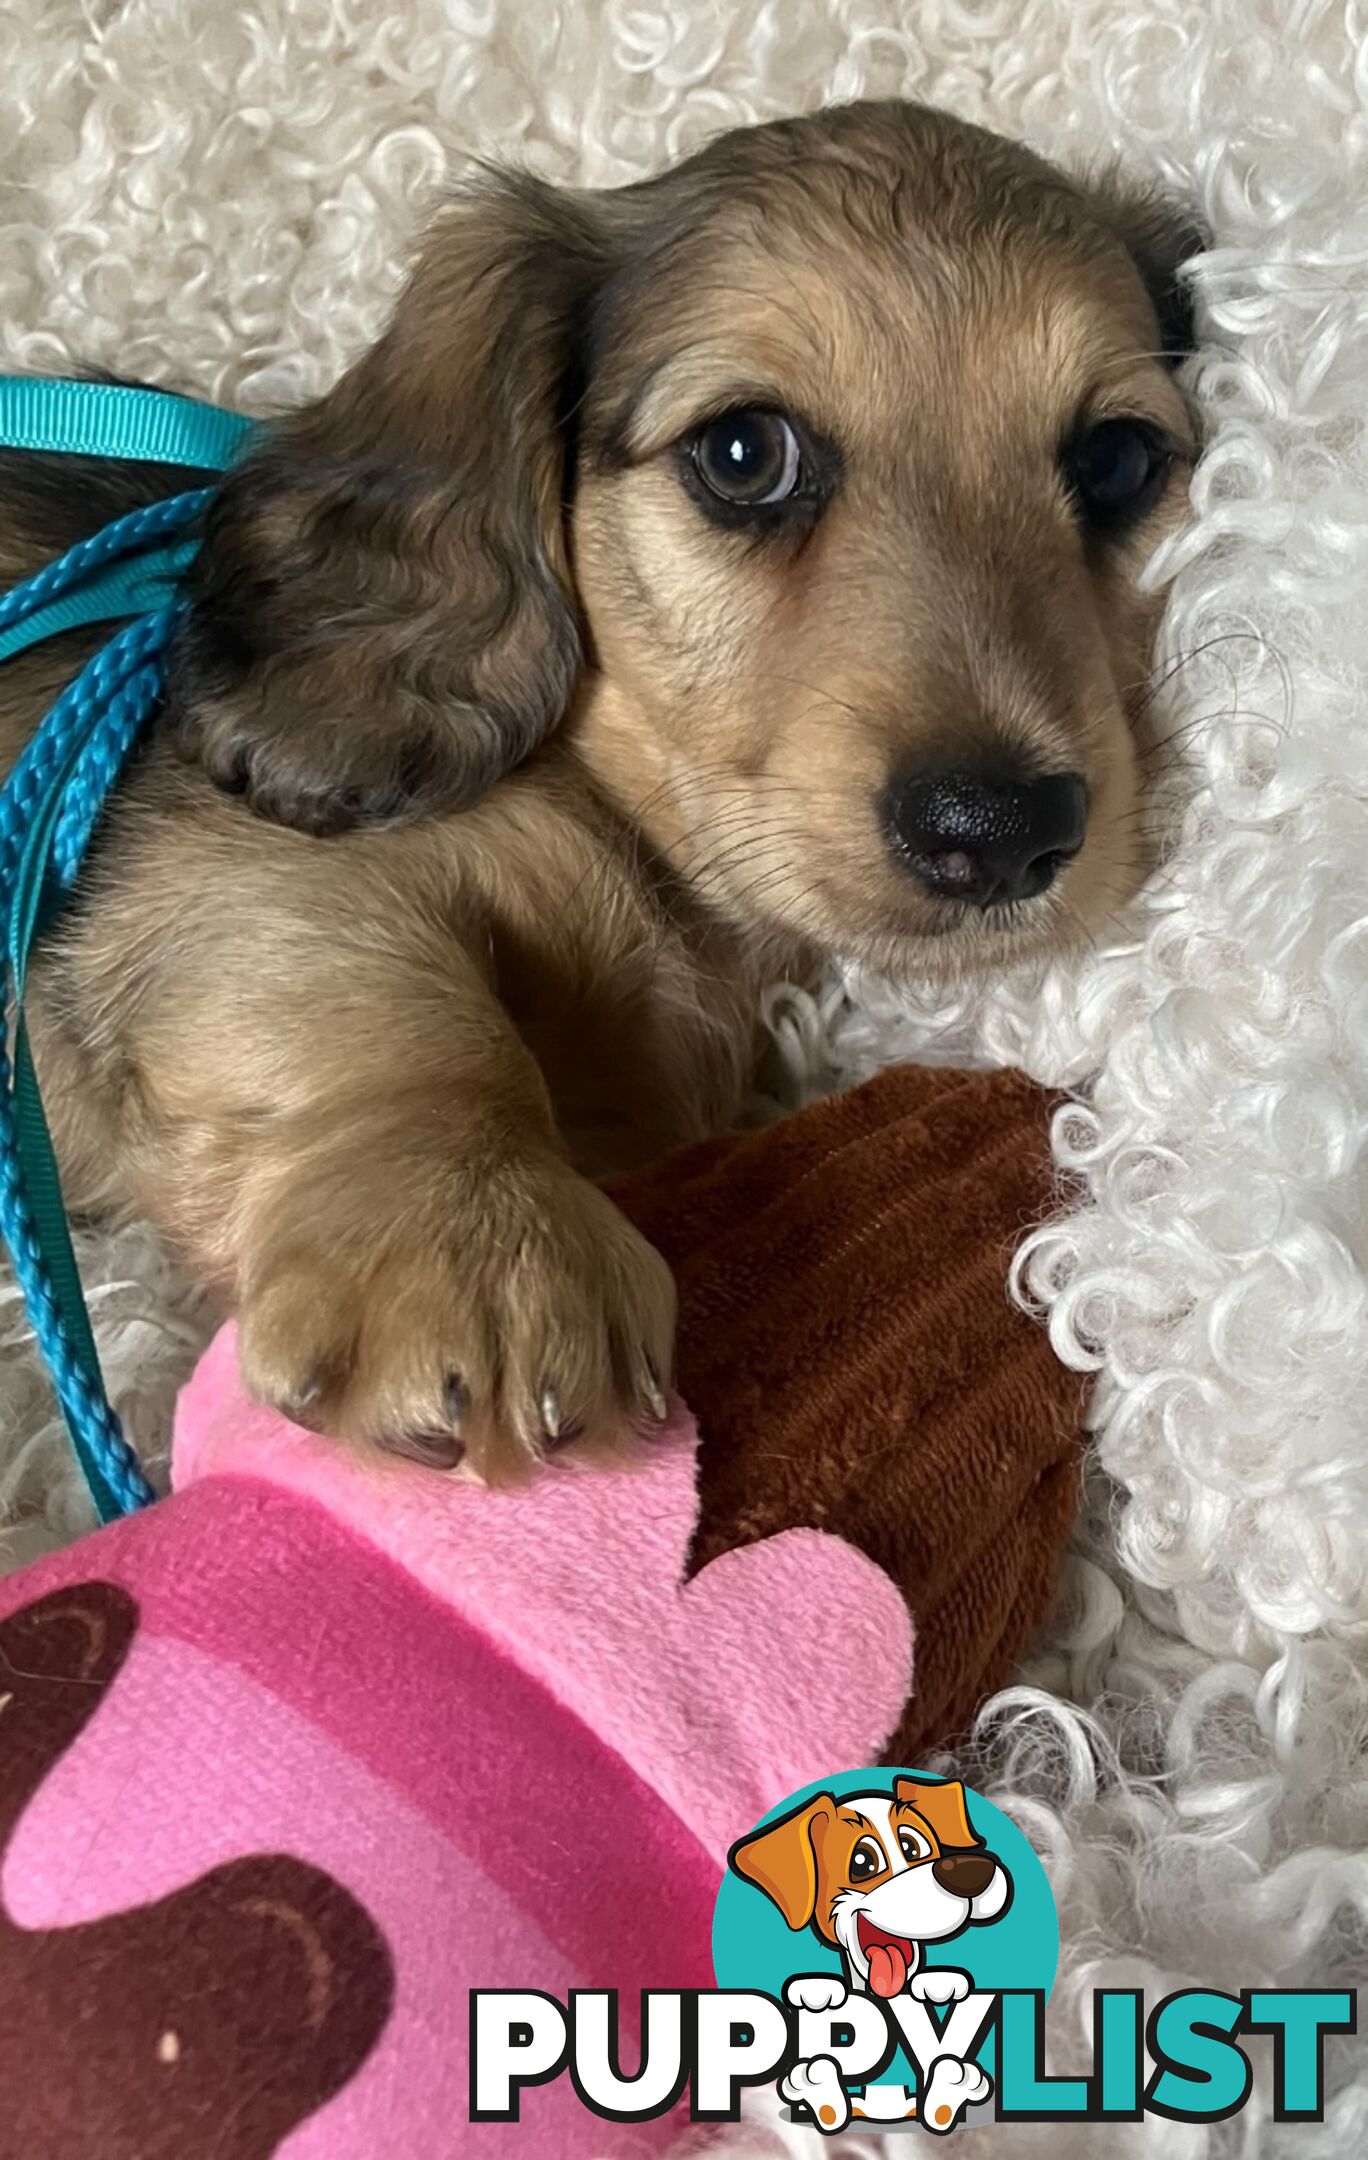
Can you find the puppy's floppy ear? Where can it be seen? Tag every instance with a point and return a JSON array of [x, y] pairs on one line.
[[1160, 234], [942, 1806], [383, 621], [782, 1860]]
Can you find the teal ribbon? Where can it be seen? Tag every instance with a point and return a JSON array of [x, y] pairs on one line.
[[115, 420]]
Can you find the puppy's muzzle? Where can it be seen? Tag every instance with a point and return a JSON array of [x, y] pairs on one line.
[[965, 1875], [987, 839]]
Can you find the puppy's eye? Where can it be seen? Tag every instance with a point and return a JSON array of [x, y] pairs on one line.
[[866, 1860], [749, 458], [913, 1847], [1116, 469]]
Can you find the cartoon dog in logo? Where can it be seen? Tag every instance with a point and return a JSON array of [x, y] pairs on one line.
[[877, 1876]]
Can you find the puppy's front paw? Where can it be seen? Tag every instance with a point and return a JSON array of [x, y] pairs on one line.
[[531, 1315]]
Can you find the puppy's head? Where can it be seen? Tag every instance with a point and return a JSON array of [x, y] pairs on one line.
[[806, 486], [877, 1875]]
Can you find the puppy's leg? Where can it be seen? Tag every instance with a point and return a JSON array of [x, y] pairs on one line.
[[419, 1263], [343, 1127]]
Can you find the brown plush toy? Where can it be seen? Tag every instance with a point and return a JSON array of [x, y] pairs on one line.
[[849, 1349]]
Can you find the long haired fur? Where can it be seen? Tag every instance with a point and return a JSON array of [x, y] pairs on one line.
[[505, 759]]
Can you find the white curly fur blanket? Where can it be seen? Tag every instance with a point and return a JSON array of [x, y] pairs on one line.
[[219, 196]]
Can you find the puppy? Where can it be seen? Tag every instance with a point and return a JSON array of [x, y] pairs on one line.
[[696, 580], [877, 1876]]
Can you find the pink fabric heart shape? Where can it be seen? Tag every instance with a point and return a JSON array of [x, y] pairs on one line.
[[779, 1663]]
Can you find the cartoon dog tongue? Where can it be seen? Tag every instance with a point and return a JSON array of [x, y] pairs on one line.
[[887, 1968]]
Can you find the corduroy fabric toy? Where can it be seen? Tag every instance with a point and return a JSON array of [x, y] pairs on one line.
[[854, 1362]]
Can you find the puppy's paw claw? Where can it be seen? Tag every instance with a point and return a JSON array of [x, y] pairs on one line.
[[532, 1315]]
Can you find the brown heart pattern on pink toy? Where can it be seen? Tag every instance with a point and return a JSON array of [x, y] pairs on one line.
[[213, 2020]]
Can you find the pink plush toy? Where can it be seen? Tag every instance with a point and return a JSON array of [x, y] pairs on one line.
[[294, 1760]]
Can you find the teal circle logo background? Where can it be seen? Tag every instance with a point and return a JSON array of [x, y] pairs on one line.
[[754, 1947]]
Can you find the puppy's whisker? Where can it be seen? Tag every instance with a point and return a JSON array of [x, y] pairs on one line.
[[1191, 730], [1160, 677], [721, 869]]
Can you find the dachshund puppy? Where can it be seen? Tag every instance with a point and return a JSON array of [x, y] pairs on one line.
[[697, 580]]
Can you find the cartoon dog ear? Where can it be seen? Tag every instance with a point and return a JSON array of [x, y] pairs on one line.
[[943, 1807], [782, 1860], [383, 621]]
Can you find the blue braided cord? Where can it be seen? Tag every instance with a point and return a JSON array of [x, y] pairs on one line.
[[132, 587], [102, 760], [85, 1407], [126, 536], [73, 718], [51, 804], [75, 756]]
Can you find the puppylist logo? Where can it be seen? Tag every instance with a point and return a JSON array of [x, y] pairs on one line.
[[884, 1945], [882, 1881]]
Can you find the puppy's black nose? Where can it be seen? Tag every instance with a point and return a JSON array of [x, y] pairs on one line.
[[967, 1875], [987, 840]]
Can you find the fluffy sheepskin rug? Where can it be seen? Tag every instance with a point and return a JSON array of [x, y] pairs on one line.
[[219, 197]]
